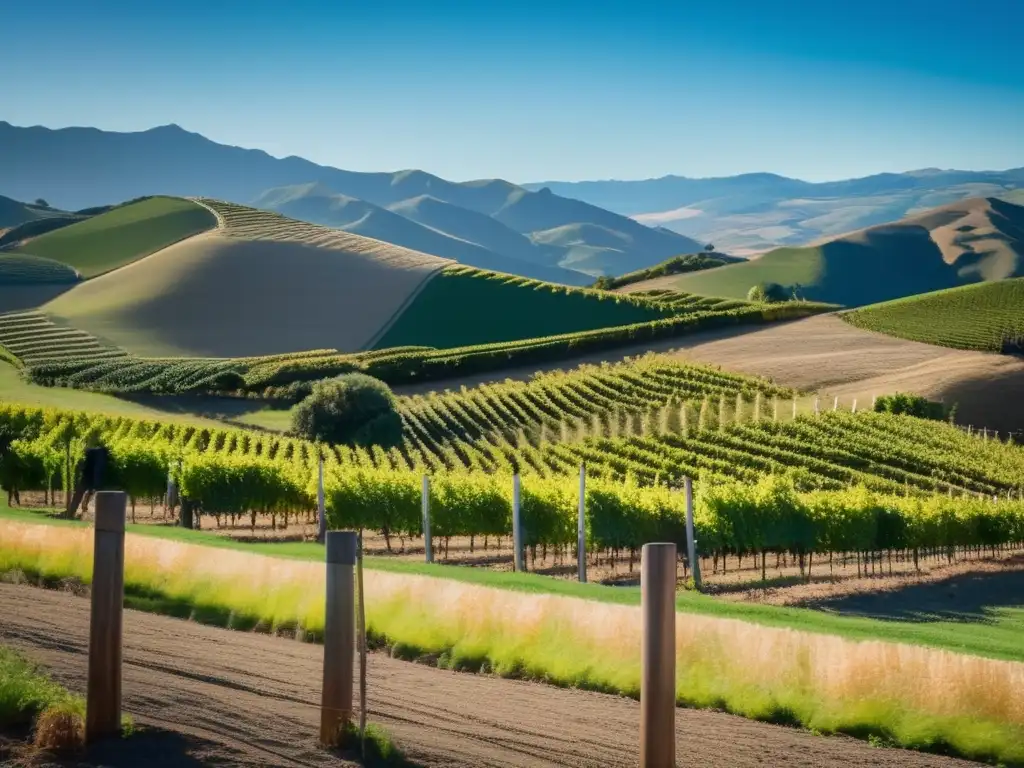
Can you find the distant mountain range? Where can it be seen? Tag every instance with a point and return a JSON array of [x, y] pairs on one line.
[[758, 211], [491, 223]]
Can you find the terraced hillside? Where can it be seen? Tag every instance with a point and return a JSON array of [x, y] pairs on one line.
[[123, 235], [987, 317], [980, 239]]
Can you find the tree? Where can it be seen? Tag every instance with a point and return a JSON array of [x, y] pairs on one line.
[[709, 248], [352, 408], [40, 203], [767, 292]]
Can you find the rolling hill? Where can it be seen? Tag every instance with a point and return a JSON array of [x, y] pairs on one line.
[[755, 212], [110, 240], [988, 317], [956, 244], [260, 283], [317, 204], [79, 167], [14, 213]]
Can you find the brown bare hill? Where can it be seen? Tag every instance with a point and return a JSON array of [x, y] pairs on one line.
[[956, 244], [259, 284]]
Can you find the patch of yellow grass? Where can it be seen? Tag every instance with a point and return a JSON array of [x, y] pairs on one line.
[[920, 696]]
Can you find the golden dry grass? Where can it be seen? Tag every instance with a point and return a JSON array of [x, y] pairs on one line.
[[59, 730], [829, 682]]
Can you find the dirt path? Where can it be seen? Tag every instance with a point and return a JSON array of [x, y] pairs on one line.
[[823, 353], [248, 699]]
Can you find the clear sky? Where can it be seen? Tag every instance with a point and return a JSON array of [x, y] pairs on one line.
[[533, 91]]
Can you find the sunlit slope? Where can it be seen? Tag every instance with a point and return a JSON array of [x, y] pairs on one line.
[[260, 284], [464, 306], [988, 317], [121, 236], [973, 240]]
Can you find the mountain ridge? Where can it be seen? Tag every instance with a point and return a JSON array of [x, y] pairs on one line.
[[77, 167]]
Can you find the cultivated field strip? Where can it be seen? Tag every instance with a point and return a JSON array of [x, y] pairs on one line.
[[987, 317], [33, 338]]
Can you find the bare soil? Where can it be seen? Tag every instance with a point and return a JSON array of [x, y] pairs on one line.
[[826, 355], [233, 698]]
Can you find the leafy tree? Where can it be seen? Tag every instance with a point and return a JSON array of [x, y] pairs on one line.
[[40, 203], [767, 292], [351, 408], [709, 248], [911, 405]]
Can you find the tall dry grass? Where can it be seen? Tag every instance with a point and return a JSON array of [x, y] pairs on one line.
[[916, 696]]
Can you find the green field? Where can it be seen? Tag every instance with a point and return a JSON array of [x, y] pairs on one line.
[[123, 235], [463, 306], [987, 317]]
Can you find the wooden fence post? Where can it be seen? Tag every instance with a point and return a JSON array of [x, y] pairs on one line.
[[581, 528], [817, 408], [321, 505], [428, 542], [339, 637], [658, 656], [854, 408], [517, 529], [103, 697], [835, 404], [691, 541], [794, 406]]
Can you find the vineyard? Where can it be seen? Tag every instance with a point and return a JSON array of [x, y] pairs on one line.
[[89, 364], [122, 235], [987, 317], [20, 269], [837, 482]]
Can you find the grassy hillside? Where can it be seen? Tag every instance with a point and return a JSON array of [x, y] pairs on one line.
[[962, 243], [987, 317], [123, 235], [464, 306], [266, 284]]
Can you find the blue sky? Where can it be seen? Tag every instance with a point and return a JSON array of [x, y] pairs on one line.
[[533, 91]]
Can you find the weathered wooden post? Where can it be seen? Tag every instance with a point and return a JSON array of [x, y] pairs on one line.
[[835, 404], [658, 656], [817, 408], [103, 697], [339, 638], [691, 541], [794, 407], [321, 505], [581, 528], [428, 542], [517, 529], [854, 408]]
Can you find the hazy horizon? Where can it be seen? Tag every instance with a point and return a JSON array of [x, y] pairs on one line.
[[531, 93]]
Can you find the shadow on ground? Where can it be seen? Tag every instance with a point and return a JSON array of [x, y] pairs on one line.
[[975, 597], [149, 747]]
